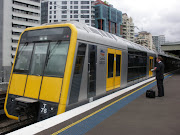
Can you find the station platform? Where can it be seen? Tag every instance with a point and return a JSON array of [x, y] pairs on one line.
[[129, 113]]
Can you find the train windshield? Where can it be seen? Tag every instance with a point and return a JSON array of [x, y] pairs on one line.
[[45, 57], [23, 58]]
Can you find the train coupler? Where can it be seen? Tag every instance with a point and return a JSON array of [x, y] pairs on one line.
[[27, 108]]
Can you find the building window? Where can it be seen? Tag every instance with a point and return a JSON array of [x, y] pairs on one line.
[[64, 12], [84, 2], [50, 21], [54, 12], [64, 7], [71, 11], [54, 7], [84, 16], [64, 2], [55, 3], [75, 16], [54, 16], [75, 2], [12, 56], [84, 7], [76, 11], [13, 48], [75, 7], [64, 16], [84, 11], [86, 21], [50, 7], [50, 3], [50, 17], [71, 7], [71, 2], [55, 20], [70, 16], [14, 41], [50, 12]]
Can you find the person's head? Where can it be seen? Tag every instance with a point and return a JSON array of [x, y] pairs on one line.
[[159, 58]]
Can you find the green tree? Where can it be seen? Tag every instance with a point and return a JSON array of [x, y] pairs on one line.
[[105, 2]]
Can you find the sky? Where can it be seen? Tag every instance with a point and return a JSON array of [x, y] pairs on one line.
[[159, 17]]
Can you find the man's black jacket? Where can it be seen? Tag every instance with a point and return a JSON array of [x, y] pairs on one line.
[[160, 71]]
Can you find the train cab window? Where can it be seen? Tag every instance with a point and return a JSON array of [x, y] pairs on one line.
[[110, 65], [56, 58], [23, 58], [38, 58], [118, 67]]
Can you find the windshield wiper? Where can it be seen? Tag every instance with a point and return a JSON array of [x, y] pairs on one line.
[[51, 52], [20, 51]]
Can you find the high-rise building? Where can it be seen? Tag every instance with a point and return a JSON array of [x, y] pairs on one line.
[[127, 27], [15, 16], [107, 18], [145, 39], [68, 10], [158, 41]]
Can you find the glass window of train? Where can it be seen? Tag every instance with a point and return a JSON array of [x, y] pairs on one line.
[[76, 81], [56, 60], [23, 58], [110, 65], [150, 64], [130, 60], [118, 66], [80, 58], [38, 58]]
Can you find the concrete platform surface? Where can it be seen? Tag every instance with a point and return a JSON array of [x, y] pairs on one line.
[[159, 116]]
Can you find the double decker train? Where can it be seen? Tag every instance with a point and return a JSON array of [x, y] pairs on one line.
[[58, 67]]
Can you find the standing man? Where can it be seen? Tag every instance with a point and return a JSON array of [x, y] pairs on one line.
[[160, 76]]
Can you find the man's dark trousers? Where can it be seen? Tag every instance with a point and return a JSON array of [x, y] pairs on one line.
[[160, 87], [160, 78]]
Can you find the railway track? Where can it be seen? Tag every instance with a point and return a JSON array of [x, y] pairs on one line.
[[12, 125], [2, 99], [8, 125]]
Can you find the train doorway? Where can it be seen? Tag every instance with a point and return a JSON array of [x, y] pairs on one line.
[[150, 66], [92, 60], [118, 68], [114, 58]]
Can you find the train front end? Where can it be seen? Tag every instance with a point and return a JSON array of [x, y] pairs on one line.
[[40, 75]]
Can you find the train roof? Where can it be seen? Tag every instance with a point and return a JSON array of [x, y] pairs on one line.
[[94, 35]]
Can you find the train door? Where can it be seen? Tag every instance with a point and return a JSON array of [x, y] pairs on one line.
[[150, 65], [118, 68], [92, 58], [113, 69]]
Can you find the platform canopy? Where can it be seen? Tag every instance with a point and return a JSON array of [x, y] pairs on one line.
[[172, 47]]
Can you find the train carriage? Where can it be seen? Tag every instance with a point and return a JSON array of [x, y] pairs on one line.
[[61, 66]]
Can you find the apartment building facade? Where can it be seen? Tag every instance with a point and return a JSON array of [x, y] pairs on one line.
[[127, 27], [107, 18], [158, 41], [145, 39], [15, 16], [68, 10]]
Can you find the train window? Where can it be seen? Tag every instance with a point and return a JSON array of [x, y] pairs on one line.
[[110, 65], [23, 58], [38, 58], [56, 58], [118, 62], [80, 59], [76, 81], [137, 62]]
